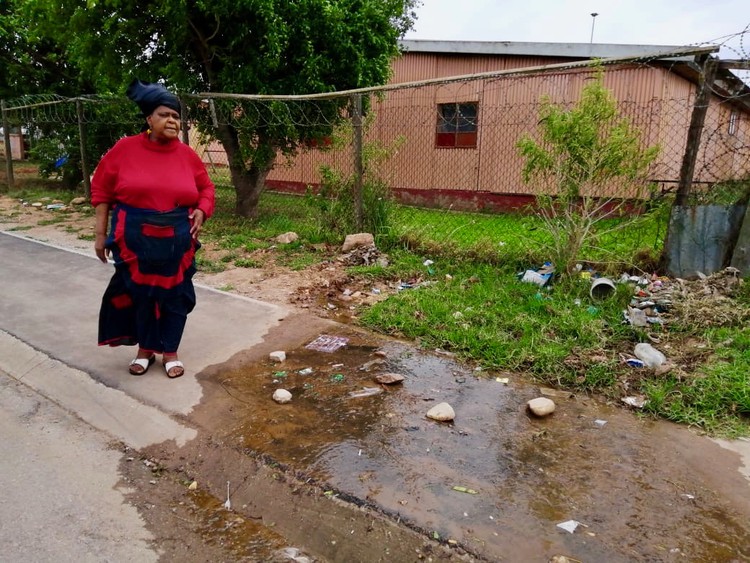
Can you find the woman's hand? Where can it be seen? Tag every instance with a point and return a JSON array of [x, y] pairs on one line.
[[196, 218], [101, 251], [100, 230]]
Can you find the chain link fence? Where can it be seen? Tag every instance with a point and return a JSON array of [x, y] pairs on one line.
[[445, 150]]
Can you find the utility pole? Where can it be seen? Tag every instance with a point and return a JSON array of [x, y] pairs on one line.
[[593, 21]]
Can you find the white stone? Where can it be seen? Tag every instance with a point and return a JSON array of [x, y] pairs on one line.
[[282, 396], [541, 406], [78, 201], [278, 356], [442, 412], [358, 239], [287, 238]]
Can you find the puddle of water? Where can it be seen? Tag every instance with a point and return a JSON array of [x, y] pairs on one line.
[[247, 539], [529, 474]]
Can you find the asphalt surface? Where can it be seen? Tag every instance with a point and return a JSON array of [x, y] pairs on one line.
[[64, 400]]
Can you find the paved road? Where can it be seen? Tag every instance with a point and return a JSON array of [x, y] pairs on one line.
[[63, 400], [60, 499]]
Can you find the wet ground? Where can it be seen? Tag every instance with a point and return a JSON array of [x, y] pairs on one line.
[[370, 478], [640, 489]]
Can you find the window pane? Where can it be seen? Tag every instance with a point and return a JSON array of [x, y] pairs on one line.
[[445, 140], [446, 118], [466, 139], [467, 117]]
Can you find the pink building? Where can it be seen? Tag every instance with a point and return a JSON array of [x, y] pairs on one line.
[[454, 141]]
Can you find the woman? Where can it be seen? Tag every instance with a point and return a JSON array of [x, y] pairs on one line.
[[159, 193]]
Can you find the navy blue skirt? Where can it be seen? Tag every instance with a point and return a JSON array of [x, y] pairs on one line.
[[151, 292]]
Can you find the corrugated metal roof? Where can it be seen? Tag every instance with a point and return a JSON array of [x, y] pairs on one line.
[[568, 50]]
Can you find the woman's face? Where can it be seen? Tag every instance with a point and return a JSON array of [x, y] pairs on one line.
[[164, 123]]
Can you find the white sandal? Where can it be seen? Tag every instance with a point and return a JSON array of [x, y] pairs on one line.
[[145, 363], [169, 366]]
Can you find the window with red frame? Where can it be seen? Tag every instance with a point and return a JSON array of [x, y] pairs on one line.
[[457, 125]]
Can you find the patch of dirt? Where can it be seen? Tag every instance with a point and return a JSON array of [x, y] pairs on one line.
[[325, 288]]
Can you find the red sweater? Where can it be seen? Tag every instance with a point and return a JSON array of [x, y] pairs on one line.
[[141, 173]]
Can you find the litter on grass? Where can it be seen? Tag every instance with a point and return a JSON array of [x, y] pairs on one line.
[[540, 276]]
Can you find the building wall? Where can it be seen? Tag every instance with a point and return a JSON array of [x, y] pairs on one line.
[[17, 150], [656, 101]]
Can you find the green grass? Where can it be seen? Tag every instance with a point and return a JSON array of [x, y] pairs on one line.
[[52, 221], [717, 396], [209, 266], [487, 315], [247, 263]]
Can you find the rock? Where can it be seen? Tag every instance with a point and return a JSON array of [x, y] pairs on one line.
[[372, 364], [193, 486], [389, 378], [541, 406], [291, 554], [287, 238], [282, 396], [78, 201], [636, 401], [278, 356], [442, 412], [358, 239], [361, 256], [559, 393]]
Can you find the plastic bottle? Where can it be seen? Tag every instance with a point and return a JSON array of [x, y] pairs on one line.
[[650, 355]]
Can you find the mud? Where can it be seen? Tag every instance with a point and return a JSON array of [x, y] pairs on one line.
[[641, 489]]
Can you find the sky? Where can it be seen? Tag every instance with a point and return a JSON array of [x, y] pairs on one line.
[[652, 22]]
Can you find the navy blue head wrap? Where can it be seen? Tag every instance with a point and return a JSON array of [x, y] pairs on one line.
[[151, 95]]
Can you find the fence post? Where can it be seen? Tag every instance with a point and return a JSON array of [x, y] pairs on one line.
[[8, 148], [184, 122], [358, 163], [709, 66], [84, 155]]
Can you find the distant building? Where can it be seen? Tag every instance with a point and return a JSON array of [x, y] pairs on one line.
[[459, 137]]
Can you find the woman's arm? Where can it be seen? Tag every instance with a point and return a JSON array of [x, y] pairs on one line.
[[100, 229]]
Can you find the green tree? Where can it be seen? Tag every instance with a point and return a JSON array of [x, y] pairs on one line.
[[584, 152], [32, 63], [37, 67], [272, 47]]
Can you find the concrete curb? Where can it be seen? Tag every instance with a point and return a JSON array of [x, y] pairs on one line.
[[109, 410]]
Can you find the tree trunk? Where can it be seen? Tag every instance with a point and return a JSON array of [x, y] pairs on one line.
[[248, 179], [248, 187]]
